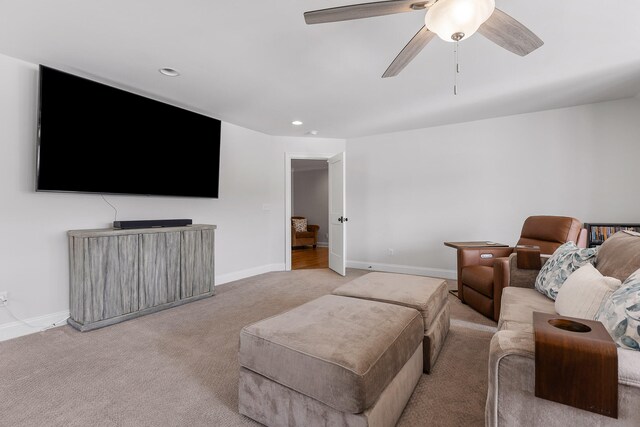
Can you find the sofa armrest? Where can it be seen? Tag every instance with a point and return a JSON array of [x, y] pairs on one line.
[[501, 280], [507, 343], [521, 278], [629, 367], [473, 256], [510, 345], [314, 228], [511, 390]]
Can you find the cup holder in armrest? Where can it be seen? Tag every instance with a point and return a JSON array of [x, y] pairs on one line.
[[576, 363], [569, 325]]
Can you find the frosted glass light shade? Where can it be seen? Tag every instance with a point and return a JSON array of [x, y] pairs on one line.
[[448, 17]]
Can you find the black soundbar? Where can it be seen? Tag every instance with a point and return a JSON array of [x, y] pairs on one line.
[[152, 223]]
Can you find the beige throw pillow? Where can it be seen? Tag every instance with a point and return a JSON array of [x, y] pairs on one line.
[[299, 225], [583, 293]]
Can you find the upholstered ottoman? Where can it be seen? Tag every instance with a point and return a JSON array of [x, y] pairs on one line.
[[332, 361], [425, 294]]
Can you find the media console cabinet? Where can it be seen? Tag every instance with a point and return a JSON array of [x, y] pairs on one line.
[[117, 275]]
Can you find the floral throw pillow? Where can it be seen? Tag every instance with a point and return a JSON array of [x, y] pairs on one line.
[[620, 314], [564, 261], [299, 224]]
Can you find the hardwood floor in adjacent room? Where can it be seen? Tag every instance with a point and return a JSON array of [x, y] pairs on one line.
[[307, 257]]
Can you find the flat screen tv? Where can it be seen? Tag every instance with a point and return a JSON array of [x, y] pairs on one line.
[[94, 138]]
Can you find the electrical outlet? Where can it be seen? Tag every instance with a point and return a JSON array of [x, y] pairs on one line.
[[4, 297]]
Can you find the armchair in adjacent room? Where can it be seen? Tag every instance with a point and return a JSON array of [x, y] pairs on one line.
[[304, 234], [484, 272]]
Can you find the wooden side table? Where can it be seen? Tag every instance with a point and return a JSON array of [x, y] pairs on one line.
[[576, 363], [528, 257], [475, 244]]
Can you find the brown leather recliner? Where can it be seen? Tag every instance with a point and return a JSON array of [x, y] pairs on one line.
[[484, 272], [304, 238]]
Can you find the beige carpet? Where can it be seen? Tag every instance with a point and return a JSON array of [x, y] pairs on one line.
[[179, 366]]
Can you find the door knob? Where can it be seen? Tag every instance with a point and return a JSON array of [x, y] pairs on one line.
[[343, 219]]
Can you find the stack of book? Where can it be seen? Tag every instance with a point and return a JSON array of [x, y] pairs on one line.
[[598, 233]]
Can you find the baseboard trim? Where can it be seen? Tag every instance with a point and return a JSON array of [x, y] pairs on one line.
[[404, 269], [41, 323], [243, 274], [323, 244]]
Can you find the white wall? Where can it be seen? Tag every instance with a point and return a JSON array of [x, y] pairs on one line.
[[294, 145], [249, 212], [311, 198], [406, 191], [410, 191]]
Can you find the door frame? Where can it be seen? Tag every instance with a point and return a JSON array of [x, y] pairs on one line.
[[288, 157]]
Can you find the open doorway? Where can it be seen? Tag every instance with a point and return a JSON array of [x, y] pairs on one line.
[[309, 214], [337, 226]]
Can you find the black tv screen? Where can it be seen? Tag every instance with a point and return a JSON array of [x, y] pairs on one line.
[[94, 138]]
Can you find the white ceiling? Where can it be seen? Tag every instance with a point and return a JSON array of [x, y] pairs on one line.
[[258, 65]]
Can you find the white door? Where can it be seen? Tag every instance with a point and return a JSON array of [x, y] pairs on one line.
[[337, 215]]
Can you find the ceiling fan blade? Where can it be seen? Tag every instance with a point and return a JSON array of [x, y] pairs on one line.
[[406, 55], [364, 10], [510, 34]]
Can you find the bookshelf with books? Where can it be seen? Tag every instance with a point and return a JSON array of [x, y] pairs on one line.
[[598, 233]]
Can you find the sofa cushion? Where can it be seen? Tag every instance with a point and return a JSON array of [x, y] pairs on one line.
[[584, 292], [518, 305], [305, 235], [564, 261], [341, 351], [621, 313], [480, 278], [619, 255]]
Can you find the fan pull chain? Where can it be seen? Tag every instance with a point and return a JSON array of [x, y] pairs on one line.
[[456, 60]]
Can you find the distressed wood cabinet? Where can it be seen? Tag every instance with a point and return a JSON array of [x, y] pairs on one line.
[[116, 275]]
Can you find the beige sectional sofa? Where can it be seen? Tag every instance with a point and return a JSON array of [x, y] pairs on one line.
[[511, 400]]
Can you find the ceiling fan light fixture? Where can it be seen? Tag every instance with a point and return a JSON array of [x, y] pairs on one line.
[[455, 20]]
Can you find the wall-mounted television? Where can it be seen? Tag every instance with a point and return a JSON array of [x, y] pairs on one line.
[[94, 138]]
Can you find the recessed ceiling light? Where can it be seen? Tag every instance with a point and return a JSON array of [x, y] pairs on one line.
[[169, 72], [296, 123]]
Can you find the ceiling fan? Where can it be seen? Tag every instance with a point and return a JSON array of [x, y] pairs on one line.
[[451, 20]]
